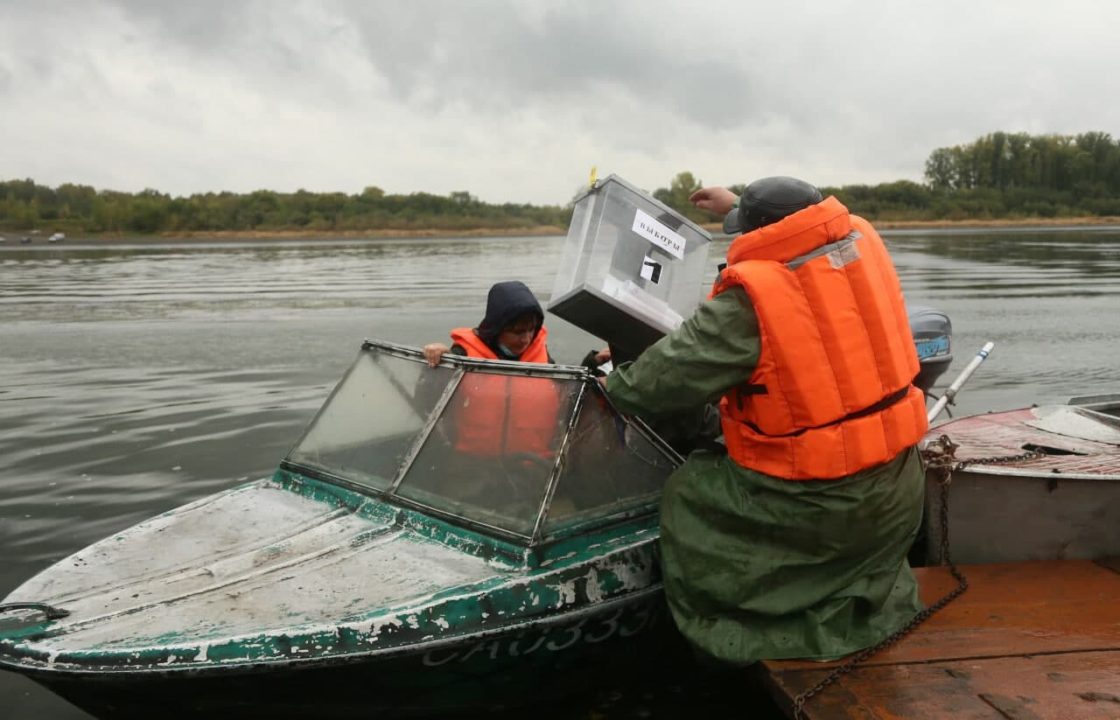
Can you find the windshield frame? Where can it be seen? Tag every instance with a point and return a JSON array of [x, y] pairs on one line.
[[460, 365]]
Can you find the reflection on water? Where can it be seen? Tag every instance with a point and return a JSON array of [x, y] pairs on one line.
[[137, 378], [1024, 264], [206, 280], [1048, 299]]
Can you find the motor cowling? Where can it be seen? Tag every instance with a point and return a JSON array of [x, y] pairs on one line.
[[932, 331]]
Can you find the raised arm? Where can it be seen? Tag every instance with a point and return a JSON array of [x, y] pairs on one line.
[[716, 199]]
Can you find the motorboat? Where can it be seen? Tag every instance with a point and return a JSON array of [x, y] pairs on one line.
[[1054, 469], [386, 566]]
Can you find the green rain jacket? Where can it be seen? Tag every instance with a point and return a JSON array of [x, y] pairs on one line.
[[757, 567]]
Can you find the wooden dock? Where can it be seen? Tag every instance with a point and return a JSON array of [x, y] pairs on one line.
[[1029, 640]]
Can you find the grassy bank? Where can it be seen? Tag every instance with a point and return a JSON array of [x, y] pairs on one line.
[[715, 228], [12, 238], [372, 233], [1023, 222]]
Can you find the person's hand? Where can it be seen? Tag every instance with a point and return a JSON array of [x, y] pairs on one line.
[[602, 382], [602, 356], [433, 352], [716, 199]]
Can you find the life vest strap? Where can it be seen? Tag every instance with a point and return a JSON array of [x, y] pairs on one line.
[[889, 400]]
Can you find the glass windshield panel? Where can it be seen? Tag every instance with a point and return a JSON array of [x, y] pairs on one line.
[[610, 467], [366, 429], [491, 454]]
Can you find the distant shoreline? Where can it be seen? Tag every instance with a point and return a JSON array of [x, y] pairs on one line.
[[249, 236], [1025, 222], [373, 234]]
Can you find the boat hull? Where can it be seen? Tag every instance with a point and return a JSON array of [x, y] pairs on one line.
[[1068, 518], [486, 672], [1052, 469]]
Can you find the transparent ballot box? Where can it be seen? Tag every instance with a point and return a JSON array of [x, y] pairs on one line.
[[632, 268]]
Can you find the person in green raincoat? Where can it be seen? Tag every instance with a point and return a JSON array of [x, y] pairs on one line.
[[792, 541]]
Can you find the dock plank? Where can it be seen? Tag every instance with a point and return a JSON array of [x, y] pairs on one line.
[[1028, 640], [1065, 686]]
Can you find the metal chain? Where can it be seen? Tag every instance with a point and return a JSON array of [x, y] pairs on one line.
[[939, 458], [995, 460]]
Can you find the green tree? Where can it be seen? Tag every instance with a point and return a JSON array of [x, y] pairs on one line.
[[941, 172], [676, 196]]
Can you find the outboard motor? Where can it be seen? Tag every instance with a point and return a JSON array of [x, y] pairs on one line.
[[932, 333]]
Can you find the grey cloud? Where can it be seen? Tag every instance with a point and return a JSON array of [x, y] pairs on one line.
[[210, 26], [492, 58], [345, 93], [6, 80], [260, 43]]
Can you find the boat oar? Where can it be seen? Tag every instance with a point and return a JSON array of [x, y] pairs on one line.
[[951, 391]]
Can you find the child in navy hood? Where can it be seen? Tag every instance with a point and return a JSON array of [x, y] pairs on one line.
[[513, 320], [508, 304]]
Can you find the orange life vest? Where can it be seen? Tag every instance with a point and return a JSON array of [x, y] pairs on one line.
[[536, 352], [506, 414], [832, 392]]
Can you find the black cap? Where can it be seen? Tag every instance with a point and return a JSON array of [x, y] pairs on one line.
[[769, 200]]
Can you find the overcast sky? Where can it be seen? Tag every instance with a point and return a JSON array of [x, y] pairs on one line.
[[515, 101]]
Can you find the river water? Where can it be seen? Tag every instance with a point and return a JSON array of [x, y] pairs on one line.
[[135, 378]]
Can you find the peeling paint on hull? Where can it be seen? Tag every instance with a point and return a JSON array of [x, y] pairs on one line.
[[478, 673], [393, 613]]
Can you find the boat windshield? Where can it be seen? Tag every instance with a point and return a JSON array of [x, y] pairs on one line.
[[491, 442]]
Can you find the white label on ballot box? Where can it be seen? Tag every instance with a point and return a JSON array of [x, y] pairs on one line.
[[658, 234]]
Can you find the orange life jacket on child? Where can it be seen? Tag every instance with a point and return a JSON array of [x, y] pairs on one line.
[[506, 414]]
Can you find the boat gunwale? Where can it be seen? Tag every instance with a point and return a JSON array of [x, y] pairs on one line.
[[50, 669], [965, 466]]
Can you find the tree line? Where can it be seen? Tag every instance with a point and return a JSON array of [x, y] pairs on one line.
[[26, 204], [998, 176]]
